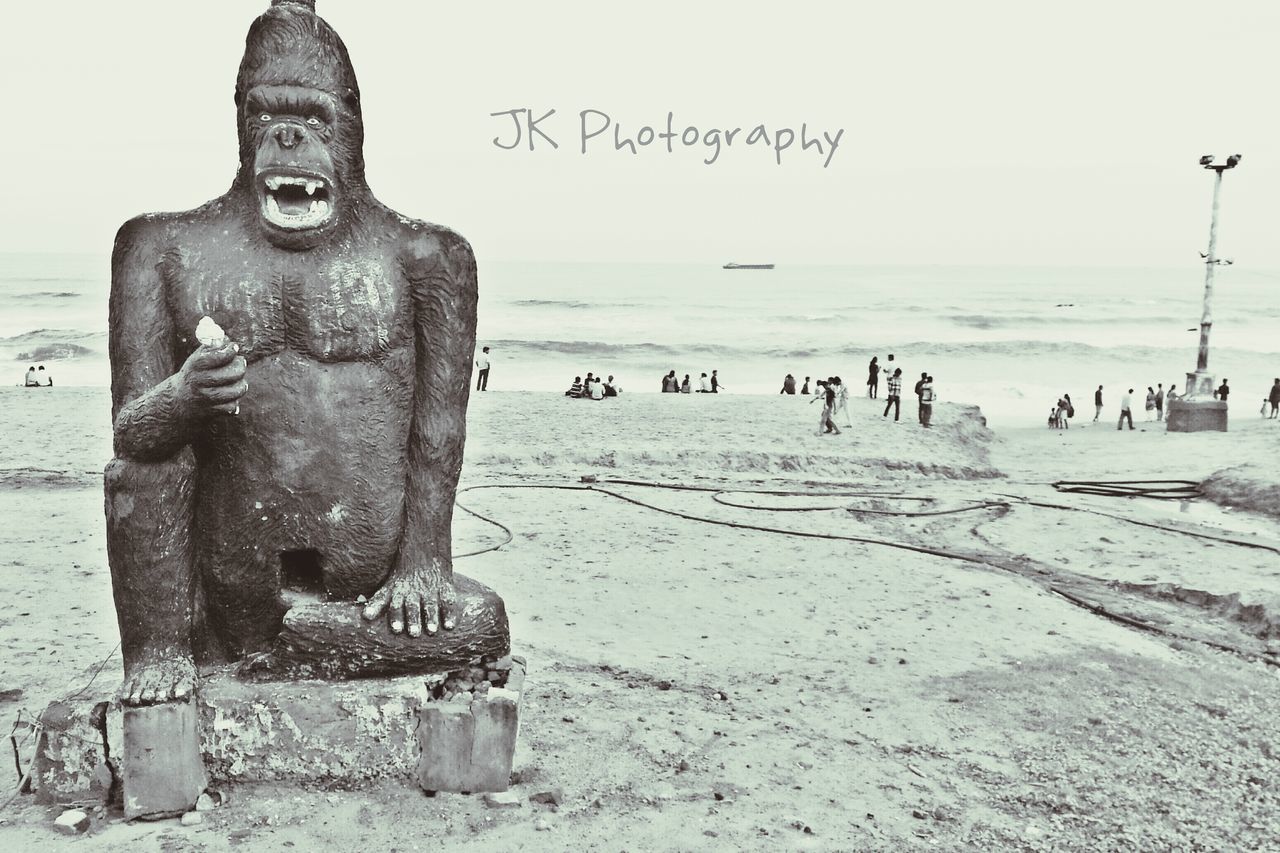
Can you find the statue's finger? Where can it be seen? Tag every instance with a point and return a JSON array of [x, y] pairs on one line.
[[413, 613], [226, 393], [207, 358], [395, 612], [448, 612], [377, 604]]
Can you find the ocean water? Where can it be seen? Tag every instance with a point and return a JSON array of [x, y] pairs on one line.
[[1008, 339]]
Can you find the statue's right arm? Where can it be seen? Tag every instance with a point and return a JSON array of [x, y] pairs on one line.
[[155, 403]]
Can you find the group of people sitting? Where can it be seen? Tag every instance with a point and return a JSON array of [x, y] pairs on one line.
[[37, 378], [706, 385], [594, 388]]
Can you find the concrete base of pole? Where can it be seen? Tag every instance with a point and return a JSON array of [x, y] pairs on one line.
[[1200, 386], [1204, 415]]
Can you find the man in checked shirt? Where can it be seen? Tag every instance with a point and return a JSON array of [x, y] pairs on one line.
[[895, 394]]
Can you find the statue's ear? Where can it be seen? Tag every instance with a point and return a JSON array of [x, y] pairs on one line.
[[352, 100]]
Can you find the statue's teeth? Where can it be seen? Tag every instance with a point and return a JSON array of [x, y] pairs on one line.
[[311, 187]]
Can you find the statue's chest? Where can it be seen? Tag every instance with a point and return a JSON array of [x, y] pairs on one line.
[[339, 311]]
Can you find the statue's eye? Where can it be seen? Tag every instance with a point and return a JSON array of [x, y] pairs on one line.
[[313, 121], [264, 117]]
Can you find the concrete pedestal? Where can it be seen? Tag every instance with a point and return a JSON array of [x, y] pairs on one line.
[[1196, 415], [308, 733]]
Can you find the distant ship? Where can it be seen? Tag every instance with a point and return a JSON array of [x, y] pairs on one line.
[[733, 266]]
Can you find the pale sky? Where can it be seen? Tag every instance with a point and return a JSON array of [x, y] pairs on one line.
[[980, 132]]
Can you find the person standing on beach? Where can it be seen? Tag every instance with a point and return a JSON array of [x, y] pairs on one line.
[[1150, 405], [788, 385], [1126, 413], [919, 401], [895, 394], [873, 377], [805, 389], [715, 382], [926, 401], [1223, 391], [888, 367], [1097, 404], [1159, 401], [482, 378], [1274, 398]]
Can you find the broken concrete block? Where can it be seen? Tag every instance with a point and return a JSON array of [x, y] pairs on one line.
[[162, 767], [503, 800], [469, 747], [72, 822], [72, 761]]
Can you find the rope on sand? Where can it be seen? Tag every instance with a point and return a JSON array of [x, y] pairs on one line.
[[591, 484]]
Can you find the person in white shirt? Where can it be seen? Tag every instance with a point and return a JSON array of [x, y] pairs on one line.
[[705, 384], [597, 389], [1125, 412], [482, 378]]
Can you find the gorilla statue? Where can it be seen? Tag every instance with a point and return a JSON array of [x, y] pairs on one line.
[[318, 445]]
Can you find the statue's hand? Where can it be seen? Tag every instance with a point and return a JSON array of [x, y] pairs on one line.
[[416, 597], [212, 379]]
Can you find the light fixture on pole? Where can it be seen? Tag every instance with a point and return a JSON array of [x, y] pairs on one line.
[[1197, 409]]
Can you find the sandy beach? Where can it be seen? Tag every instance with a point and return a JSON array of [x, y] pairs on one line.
[[707, 671]]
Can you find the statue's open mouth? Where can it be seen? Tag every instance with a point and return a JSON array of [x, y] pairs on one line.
[[295, 202]]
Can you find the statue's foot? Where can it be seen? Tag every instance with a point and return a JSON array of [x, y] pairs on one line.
[[150, 683]]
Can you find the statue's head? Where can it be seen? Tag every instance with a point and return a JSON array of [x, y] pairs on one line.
[[301, 134]]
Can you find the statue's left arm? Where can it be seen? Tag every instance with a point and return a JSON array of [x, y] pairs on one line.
[[441, 270]]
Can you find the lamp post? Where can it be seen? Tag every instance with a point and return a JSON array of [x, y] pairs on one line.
[[1198, 410]]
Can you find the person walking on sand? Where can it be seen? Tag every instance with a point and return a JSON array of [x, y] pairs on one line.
[[842, 402], [1126, 412], [482, 363], [873, 377], [1097, 404], [715, 382], [827, 394], [788, 385], [805, 389], [895, 394], [926, 401], [1159, 401], [1274, 398]]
